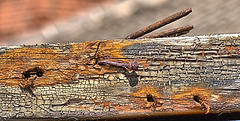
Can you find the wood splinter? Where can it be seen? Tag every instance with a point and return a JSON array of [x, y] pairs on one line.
[[199, 100]]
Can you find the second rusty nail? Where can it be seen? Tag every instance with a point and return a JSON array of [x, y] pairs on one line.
[[159, 24], [173, 32]]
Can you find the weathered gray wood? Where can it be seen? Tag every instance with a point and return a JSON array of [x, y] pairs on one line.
[[171, 70]]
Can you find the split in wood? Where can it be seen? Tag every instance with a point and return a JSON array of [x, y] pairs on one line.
[[69, 102], [161, 23], [199, 100], [96, 55]]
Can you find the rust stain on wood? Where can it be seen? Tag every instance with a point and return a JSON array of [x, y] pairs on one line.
[[200, 97], [112, 50], [148, 97], [19, 60], [231, 49]]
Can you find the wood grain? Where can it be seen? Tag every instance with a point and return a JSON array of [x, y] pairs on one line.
[[176, 76]]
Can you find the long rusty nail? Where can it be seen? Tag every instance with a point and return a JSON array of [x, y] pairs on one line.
[[159, 24], [173, 32]]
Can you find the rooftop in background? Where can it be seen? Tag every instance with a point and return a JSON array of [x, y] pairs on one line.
[[24, 18], [48, 21]]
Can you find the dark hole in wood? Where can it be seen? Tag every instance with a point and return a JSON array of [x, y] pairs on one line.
[[150, 98], [197, 98], [33, 71], [39, 73]]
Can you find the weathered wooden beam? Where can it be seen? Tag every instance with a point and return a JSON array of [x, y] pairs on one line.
[[121, 78]]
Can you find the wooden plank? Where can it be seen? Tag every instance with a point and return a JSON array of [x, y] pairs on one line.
[[92, 80]]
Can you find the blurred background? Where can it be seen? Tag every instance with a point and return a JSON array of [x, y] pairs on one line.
[[63, 21]]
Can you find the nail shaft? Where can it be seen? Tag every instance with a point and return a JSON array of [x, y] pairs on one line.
[[173, 32], [179, 34], [159, 24], [132, 66]]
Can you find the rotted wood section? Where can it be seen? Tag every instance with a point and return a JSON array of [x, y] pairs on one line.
[[173, 76]]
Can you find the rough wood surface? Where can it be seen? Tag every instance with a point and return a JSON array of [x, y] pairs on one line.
[[181, 75]]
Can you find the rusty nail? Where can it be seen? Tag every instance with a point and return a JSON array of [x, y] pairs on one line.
[[159, 24], [173, 32], [132, 66]]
